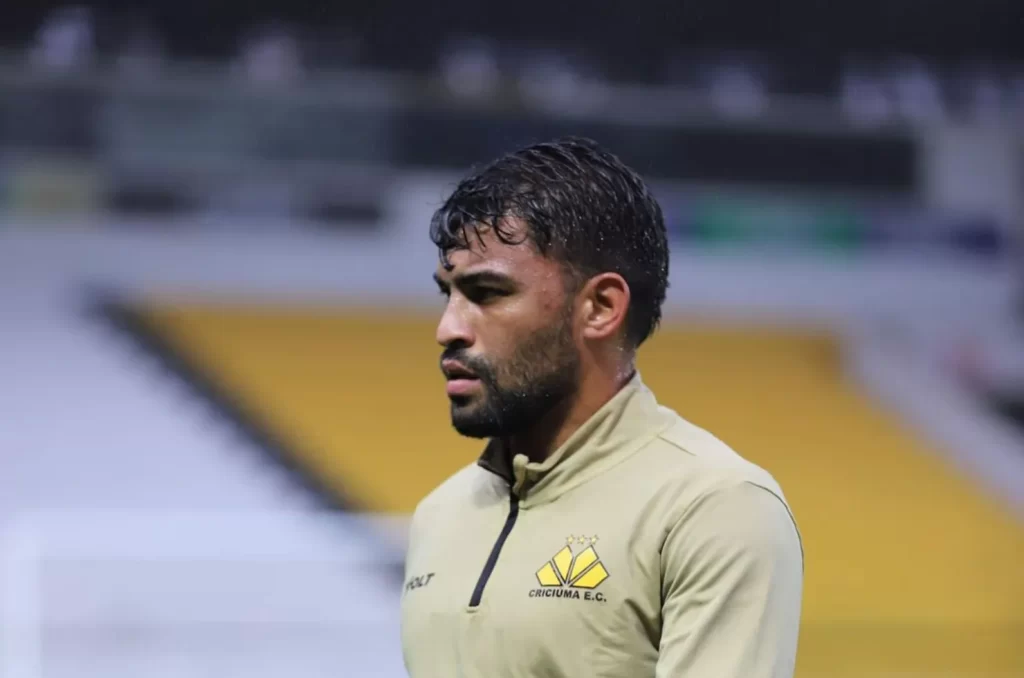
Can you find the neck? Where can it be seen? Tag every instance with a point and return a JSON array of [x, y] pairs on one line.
[[551, 432]]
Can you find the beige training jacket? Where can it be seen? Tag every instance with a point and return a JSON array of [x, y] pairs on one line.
[[644, 546]]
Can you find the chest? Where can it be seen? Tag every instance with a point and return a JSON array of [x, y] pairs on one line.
[[562, 589]]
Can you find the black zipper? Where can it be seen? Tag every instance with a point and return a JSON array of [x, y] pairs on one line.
[[492, 560]]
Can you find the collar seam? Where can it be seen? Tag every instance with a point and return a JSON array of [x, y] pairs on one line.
[[618, 459]]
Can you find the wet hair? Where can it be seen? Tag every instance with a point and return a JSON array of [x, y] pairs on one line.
[[581, 206]]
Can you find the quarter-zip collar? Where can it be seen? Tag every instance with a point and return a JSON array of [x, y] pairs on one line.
[[618, 429]]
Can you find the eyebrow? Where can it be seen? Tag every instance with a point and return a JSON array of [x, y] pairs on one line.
[[475, 278]]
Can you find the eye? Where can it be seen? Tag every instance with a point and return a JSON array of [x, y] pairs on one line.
[[484, 295]]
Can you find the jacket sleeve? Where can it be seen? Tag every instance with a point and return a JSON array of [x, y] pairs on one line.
[[732, 580]]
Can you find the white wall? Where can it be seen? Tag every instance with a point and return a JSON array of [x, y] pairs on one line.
[[397, 270]]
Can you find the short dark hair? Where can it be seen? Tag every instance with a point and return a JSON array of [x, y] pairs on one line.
[[582, 206]]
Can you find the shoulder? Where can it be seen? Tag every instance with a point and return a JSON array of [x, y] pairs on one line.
[[687, 454], [469, 486], [444, 501], [451, 489], [703, 483]]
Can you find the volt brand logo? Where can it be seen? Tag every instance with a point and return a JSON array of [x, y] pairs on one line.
[[418, 582]]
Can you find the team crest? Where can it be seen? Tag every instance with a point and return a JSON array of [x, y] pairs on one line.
[[574, 570]]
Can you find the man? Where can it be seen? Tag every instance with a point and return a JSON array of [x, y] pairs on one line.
[[599, 534]]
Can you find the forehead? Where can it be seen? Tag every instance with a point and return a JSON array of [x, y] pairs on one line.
[[486, 251]]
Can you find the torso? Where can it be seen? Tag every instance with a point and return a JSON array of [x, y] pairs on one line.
[[530, 622]]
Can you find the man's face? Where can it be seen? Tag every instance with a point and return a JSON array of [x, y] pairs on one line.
[[507, 331]]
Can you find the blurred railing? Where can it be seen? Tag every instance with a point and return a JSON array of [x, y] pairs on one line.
[[330, 147], [202, 112]]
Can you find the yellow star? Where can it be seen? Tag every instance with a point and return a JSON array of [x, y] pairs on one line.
[[582, 540], [570, 539], [593, 540]]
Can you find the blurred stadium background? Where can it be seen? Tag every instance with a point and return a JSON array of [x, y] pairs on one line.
[[218, 387]]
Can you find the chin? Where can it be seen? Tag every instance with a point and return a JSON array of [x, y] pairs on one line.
[[472, 429], [473, 424], [473, 432]]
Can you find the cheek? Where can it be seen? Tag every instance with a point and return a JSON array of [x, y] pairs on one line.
[[501, 336], [505, 331]]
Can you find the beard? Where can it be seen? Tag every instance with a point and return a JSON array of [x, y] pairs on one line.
[[542, 374]]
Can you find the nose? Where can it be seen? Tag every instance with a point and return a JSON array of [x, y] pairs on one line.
[[453, 327]]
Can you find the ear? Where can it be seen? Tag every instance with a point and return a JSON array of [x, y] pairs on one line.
[[605, 303]]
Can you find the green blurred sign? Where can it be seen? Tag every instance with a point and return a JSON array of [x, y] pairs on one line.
[[720, 220]]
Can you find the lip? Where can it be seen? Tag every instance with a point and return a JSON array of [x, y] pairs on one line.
[[462, 386], [456, 371], [461, 381]]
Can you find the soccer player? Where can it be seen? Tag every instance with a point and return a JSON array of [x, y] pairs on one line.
[[599, 533]]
